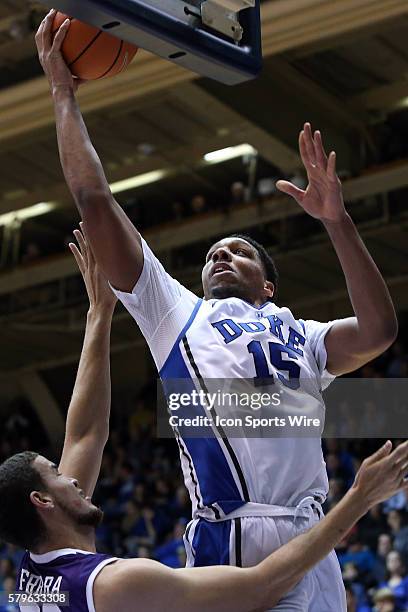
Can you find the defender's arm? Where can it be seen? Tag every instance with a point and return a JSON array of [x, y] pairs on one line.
[[142, 584], [87, 426]]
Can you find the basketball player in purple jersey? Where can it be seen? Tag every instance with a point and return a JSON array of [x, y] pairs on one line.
[[27, 499], [264, 491]]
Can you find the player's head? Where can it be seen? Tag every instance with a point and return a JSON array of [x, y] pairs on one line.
[[36, 501], [238, 266]]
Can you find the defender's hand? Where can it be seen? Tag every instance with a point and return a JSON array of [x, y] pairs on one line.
[[323, 197], [49, 53], [100, 294], [383, 474]]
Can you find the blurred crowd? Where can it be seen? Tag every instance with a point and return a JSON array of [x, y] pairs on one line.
[[146, 506]]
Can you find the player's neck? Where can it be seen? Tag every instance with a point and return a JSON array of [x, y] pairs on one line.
[[80, 540]]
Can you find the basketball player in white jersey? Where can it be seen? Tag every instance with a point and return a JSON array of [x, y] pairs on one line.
[[45, 511], [249, 496]]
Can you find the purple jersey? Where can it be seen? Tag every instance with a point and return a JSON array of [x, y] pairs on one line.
[[65, 570]]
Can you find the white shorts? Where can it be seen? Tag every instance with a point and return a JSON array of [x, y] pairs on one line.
[[247, 540]]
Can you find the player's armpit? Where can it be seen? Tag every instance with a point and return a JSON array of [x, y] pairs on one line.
[[141, 584]]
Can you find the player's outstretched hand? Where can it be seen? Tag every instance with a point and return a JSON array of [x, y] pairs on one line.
[[323, 197], [100, 294], [49, 53], [383, 474]]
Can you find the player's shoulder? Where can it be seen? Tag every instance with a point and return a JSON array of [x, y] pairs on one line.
[[123, 585], [284, 314]]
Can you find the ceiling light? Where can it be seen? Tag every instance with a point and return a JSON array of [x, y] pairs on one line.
[[216, 157], [26, 213], [139, 181], [403, 103]]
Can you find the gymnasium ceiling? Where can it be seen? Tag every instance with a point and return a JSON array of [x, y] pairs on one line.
[[342, 64]]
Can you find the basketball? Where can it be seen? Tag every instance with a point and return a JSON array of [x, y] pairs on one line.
[[91, 53]]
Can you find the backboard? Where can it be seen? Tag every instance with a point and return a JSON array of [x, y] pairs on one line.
[[220, 39]]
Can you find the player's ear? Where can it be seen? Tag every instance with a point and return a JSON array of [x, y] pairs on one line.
[[41, 500], [269, 289]]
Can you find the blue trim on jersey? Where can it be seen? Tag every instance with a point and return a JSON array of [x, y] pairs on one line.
[[180, 336], [302, 324], [211, 543], [217, 484]]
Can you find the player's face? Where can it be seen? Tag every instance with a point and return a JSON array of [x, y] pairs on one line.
[[69, 499], [233, 268]]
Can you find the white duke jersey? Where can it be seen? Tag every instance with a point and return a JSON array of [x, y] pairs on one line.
[[198, 340]]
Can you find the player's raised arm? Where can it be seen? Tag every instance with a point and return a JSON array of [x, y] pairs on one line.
[[134, 585], [351, 342], [87, 427], [114, 239]]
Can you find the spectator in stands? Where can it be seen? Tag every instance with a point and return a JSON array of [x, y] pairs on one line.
[[7, 570], [352, 577], [397, 580], [351, 599], [9, 586], [239, 194], [144, 552], [31, 253], [359, 554], [332, 445], [13, 554], [180, 505], [138, 527], [337, 470], [373, 525], [384, 601], [336, 492], [384, 546], [126, 482], [198, 204], [173, 553], [400, 533]]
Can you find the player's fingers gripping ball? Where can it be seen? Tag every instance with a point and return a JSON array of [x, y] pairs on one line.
[[91, 53]]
